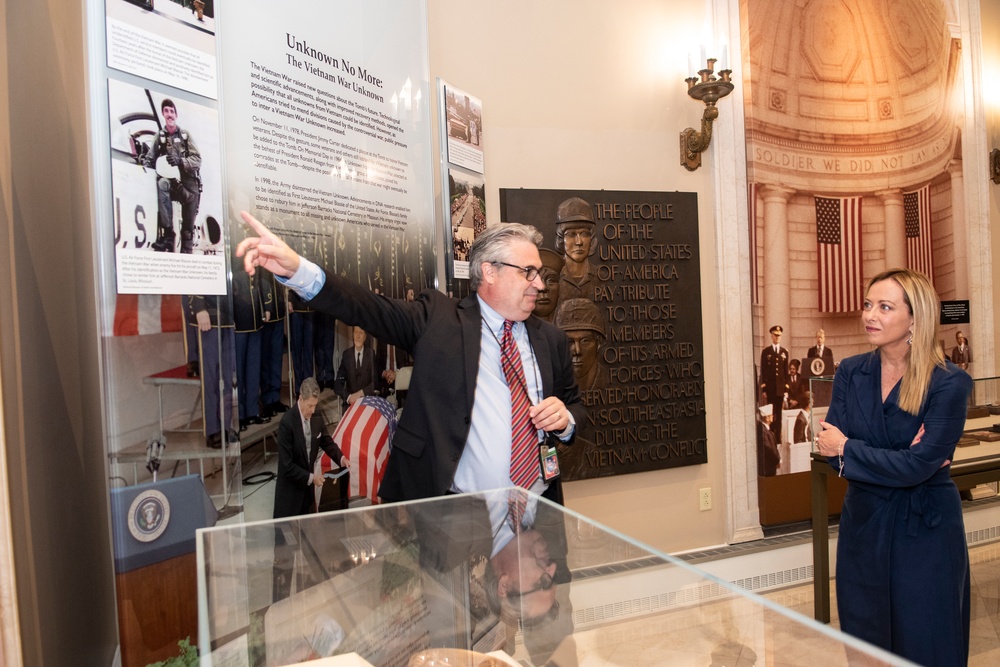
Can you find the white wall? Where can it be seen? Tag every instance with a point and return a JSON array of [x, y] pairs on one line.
[[591, 94]]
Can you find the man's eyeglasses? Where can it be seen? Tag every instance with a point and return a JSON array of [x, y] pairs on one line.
[[545, 583], [530, 272]]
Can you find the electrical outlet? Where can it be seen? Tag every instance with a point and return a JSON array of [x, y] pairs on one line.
[[705, 499]]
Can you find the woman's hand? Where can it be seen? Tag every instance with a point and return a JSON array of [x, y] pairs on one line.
[[920, 436], [831, 440]]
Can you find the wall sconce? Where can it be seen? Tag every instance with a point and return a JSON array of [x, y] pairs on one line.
[[710, 89], [995, 165]]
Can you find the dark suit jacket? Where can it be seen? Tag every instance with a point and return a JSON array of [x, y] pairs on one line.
[[293, 494], [443, 336], [798, 388], [351, 377]]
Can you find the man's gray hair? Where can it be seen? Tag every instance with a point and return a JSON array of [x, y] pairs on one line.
[[309, 389], [492, 246]]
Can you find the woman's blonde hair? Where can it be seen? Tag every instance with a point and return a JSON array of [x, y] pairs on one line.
[[925, 352]]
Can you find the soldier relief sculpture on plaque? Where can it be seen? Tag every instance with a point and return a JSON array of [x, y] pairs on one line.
[[622, 278]]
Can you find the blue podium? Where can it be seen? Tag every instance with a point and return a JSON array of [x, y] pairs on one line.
[[153, 526]]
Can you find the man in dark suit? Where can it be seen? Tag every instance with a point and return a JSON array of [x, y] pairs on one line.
[[356, 377], [961, 354], [300, 437], [455, 434], [820, 351], [798, 386], [774, 376], [819, 362], [802, 430]]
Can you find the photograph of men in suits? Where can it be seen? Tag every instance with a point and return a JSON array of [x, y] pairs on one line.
[[301, 435], [821, 351], [774, 377], [798, 385], [455, 433], [356, 377]]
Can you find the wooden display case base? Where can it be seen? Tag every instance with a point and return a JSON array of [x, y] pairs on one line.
[[157, 607], [786, 498]]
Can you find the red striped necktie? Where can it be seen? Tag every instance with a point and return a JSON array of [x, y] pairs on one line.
[[517, 505], [524, 436]]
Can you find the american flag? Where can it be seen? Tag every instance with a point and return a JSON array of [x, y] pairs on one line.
[[752, 215], [139, 314], [917, 219], [838, 237], [364, 435]]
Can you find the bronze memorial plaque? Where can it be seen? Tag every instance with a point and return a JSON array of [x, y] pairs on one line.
[[622, 274]]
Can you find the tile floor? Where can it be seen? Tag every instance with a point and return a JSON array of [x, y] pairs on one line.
[[604, 646], [984, 634]]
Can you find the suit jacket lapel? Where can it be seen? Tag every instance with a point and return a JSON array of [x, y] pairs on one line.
[[541, 351], [472, 331], [867, 391], [313, 446], [298, 434]]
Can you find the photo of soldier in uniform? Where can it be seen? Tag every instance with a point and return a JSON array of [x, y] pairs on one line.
[[167, 186]]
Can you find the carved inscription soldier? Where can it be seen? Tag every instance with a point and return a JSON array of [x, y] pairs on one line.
[[582, 322], [552, 264], [577, 241]]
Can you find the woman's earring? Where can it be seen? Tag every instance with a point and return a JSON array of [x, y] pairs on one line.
[[909, 341]]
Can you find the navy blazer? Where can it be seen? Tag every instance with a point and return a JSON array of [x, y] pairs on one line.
[[443, 336], [883, 454], [902, 562]]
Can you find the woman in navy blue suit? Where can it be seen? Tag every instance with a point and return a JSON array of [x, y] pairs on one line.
[[896, 415]]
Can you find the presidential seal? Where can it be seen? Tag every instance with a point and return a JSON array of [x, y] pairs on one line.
[[148, 515], [817, 366]]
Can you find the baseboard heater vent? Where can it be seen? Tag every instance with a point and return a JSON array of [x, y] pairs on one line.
[[982, 536], [795, 575]]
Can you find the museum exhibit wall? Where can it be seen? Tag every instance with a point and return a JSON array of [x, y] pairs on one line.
[[583, 95], [577, 94], [52, 412]]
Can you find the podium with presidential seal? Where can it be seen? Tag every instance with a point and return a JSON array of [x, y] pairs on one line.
[[155, 568]]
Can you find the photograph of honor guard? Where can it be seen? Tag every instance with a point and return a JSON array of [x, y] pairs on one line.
[[272, 345], [774, 376], [216, 352], [248, 318]]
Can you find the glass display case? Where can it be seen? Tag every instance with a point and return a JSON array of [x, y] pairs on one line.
[[498, 578]]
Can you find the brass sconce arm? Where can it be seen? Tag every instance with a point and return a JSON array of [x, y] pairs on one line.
[[710, 89]]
